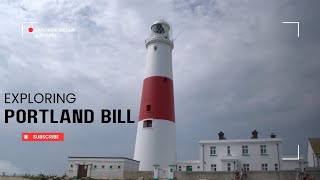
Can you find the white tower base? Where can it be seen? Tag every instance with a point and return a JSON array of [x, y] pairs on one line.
[[156, 144]]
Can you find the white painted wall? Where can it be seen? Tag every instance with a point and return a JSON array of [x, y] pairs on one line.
[[156, 144], [159, 62], [95, 169], [293, 164], [182, 165]]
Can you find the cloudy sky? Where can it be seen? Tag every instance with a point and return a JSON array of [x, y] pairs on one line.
[[236, 68]]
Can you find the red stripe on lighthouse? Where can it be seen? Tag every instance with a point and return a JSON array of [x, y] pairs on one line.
[[157, 99]]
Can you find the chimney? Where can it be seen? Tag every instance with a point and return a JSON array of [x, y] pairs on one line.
[[273, 135], [221, 135], [254, 134]]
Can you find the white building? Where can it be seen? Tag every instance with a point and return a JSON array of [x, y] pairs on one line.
[[100, 167], [249, 154], [314, 152]]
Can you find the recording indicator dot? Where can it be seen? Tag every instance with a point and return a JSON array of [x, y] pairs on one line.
[[30, 29]]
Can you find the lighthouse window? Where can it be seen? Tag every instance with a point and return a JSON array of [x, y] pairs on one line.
[[165, 79], [157, 28], [147, 123], [155, 47], [148, 107]]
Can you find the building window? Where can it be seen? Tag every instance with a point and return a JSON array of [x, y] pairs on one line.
[[246, 167], [245, 150], [276, 167], [94, 166], [228, 150], [198, 167], [148, 107], [102, 166], [263, 149], [264, 167], [147, 124], [155, 47], [213, 150], [213, 167], [119, 167], [71, 165], [179, 168], [110, 167], [229, 166]]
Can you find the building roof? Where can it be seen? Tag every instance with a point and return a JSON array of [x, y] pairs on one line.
[[89, 157], [240, 141], [315, 145], [188, 162], [161, 21]]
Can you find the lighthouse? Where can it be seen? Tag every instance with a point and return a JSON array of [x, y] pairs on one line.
[[156, 133]]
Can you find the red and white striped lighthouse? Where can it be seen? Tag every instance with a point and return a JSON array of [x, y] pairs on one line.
[[156, 134]]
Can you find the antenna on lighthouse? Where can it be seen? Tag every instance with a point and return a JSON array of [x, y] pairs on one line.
[[176, 36]]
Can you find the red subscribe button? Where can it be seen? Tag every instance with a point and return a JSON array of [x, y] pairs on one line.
[[43, 136]]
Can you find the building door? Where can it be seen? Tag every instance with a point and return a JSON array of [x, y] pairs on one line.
[[189, 168], [82, 171]]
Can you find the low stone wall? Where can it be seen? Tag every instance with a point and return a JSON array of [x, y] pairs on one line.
[[252, 175], [135, 175], [12, 178], [203, 175]]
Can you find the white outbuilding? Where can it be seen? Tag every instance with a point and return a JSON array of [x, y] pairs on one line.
[[100, 167], [314, 152]]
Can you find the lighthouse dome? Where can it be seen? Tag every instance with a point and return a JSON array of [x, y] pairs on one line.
[[160, 28], [162, 22]]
